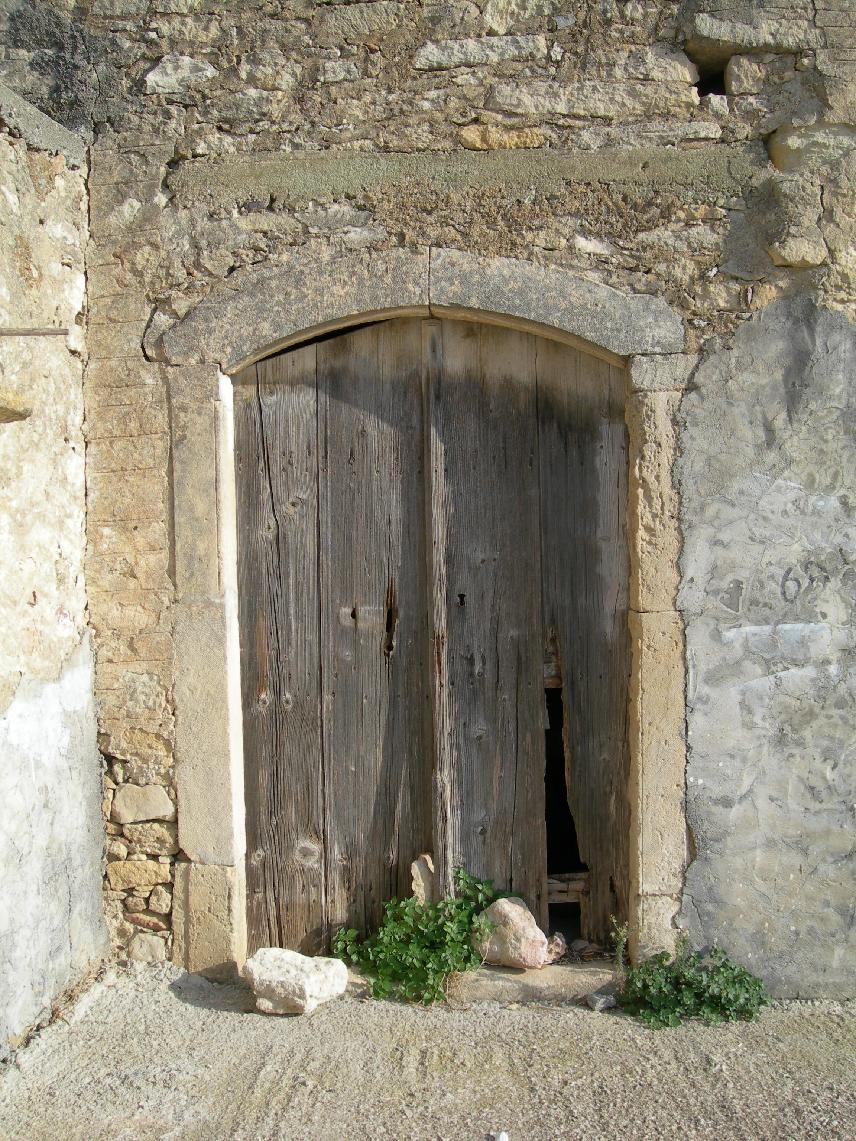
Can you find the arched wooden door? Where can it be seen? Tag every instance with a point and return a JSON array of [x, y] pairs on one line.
[[423, 506]]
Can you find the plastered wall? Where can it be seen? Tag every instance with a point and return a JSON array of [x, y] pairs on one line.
[[52, 929]]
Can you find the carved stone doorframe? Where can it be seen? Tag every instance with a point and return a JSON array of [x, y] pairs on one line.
[[263, 310]]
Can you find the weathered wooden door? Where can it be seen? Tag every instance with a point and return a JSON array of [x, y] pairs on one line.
[[400, 488]]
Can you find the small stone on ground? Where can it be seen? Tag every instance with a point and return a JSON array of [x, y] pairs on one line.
[[286, 982]]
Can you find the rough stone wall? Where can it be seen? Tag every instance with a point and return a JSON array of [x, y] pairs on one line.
[[702, 152], [51, 832]]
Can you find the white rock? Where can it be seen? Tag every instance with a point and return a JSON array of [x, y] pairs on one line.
[[176, 73], [286, 982], [147, 948], [500, 15], [337, 71], [422, 878], [557, 947], [441, 54], [133, 802], [516, 940]]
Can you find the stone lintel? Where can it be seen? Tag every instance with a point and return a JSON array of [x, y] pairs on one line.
[[262, 310], [296, 178]]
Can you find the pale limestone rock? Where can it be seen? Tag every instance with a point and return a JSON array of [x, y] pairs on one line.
[[116, 850], [155, 837], [801, 250], [352, 23], [557, 947], [134, 904], [134, 802], [712, 38], [286, 982], [147, 948], [486, 137], [422, 878], [435, 56], [500, 15], [750, 74], [160, 901], [593, 99], [269, 71], [516, 939], [125, 874], [178, 73], [337, 71], [816, 148], [657, 62]]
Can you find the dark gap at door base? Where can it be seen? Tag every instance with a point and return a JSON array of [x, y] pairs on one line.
[[563, 853]]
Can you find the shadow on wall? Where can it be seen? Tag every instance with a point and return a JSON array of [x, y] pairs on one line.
[[68, 74]]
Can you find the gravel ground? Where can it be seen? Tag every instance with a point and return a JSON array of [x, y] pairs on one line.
[[155, 1053]]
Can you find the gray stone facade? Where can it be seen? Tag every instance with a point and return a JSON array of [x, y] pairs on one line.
[[689, 164]]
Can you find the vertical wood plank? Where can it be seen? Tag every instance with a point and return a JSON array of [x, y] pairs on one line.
[[483, 412], [583, 456], [447, 819], [277, 507], [373, 617]]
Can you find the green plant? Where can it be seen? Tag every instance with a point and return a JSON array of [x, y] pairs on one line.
[[418, 945], [663, 991], [619, 939]]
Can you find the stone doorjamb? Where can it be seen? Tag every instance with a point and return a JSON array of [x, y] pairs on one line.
[[263, 310]]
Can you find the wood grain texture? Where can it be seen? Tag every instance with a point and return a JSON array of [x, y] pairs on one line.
[[374, 631], [446, 817], [583, 456], [483, 409], [277, 515]]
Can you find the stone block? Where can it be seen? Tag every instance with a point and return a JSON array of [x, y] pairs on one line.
[[657, 754], [132, 803], [816, 149], [153, 837], [654, 926], [436, 56], [669, 373], [194, 489], [176, 74], [204, 743], [127, 875], [209, 931], [147, 948], [585, 309], [500, 15], [593, 99], [653, 524], [487, 137], [286, 982]]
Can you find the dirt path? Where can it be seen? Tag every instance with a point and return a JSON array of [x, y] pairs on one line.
[[158, 1054]]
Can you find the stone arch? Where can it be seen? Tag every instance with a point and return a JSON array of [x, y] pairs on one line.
[[259, 311], [262, 310]]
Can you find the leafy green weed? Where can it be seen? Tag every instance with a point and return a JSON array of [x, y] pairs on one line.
[[663, 991], [418, 945]]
